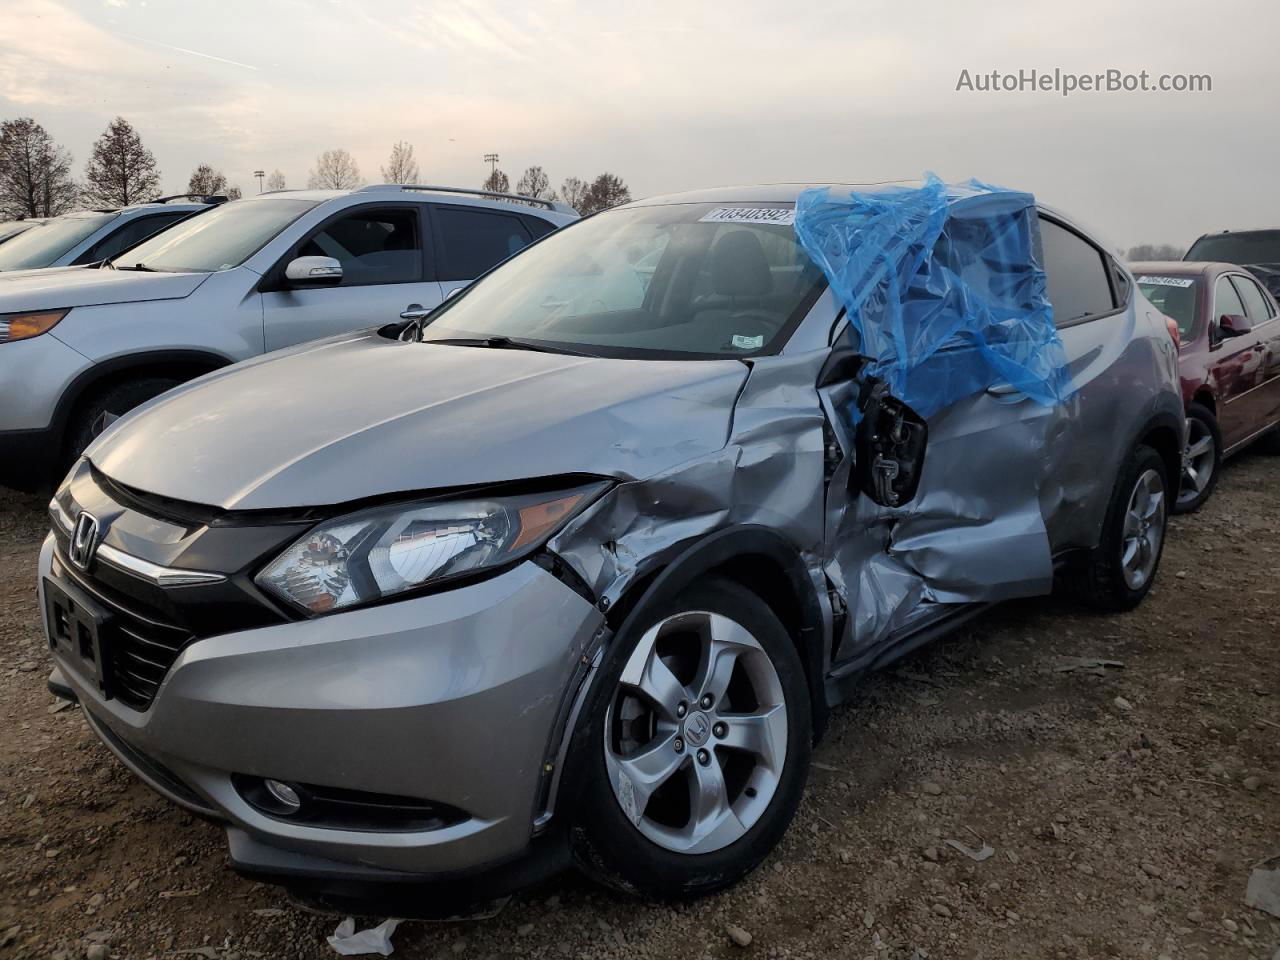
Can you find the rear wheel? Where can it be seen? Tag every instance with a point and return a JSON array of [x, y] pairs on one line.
[[1201, 459], [696, 748], [105, 406], [1118, 573]]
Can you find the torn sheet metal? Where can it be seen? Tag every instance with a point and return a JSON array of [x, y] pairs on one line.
[[942, 286], [943, 289]]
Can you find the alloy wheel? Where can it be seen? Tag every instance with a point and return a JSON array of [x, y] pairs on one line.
[[695, 738], [1144, 522], [1199, 460]]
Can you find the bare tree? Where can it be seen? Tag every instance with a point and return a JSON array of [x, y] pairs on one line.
[[401, 167], [497, 181], [206, 181], [234, 193], [335, 170], [1155, 251], [275, 181], [121, 171], [534, 182], [605, 191], [574, 192], [35, 172]]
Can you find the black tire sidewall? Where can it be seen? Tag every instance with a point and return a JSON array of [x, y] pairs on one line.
[[606, 845], [1197, 412], [1104, 585]]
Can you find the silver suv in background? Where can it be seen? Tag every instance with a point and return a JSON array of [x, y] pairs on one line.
[[79, 348], [92, 236], [578, 568]]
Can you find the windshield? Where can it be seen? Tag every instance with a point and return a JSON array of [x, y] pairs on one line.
[[686, 281], [1175, 297], [1257, 246], [218, 240], [41, 246]]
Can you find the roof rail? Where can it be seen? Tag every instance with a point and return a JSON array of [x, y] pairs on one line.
[[201, 197], [466, 191]]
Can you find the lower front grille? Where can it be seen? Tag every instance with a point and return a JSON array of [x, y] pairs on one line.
[[138, 647]]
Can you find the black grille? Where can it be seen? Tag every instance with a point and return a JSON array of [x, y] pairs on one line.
[[139, 645]]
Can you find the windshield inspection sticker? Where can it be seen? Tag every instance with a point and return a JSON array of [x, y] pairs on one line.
[[1167, 281], [748, 343], [781, 217]]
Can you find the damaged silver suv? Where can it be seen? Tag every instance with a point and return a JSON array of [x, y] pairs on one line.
[[575, 569]]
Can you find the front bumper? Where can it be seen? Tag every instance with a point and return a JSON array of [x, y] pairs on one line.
[[35, 374], [454, 698]]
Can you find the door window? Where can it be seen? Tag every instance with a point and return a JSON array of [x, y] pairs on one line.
[[1076, 270], [472, 241], [1259, 310], [1226, 301], [374, 246]]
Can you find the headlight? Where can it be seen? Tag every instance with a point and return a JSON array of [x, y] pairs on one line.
[[24, 326], [388, 550]]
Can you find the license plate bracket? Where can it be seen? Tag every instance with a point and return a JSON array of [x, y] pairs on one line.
[[76, 626]]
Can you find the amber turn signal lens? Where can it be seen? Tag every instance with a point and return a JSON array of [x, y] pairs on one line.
[[24, 326], [543, 517]]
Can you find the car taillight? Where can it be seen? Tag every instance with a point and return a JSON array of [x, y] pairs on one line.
[[1172, 324]]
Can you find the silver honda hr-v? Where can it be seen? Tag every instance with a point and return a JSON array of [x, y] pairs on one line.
[[575, 570]]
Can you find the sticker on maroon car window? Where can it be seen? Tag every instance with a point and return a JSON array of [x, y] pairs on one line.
[[782, 217], [1167, 281]]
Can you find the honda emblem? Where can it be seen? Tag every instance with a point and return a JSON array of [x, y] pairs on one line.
[[84, 540]]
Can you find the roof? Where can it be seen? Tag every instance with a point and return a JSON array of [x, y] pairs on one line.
[[1183, 268], [441, 194]]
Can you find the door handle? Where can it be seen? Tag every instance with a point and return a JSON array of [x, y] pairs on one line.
[[415, 311]]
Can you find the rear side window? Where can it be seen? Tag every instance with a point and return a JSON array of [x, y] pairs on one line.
[[538, 227], [1259, 311], [1078, 283], [129, 235], [374, 246], [472, 241]]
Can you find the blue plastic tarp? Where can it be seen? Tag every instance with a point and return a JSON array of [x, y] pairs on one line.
[[943, 288]]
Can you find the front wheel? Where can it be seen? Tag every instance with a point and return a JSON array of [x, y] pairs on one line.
[[695, 749], [1118, 573], [1201, 459]]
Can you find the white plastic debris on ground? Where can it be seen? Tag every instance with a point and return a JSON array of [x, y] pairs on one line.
[[1263, 892], [349, 943]]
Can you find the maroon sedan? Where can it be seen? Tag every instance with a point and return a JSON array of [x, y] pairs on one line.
[[1229, 360]]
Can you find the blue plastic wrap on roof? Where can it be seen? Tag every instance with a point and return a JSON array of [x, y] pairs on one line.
[[942, 287]]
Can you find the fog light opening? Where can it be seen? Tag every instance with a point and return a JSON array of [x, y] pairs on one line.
[[286, 796]]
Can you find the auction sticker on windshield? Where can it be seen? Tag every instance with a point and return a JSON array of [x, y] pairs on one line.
[[783, 217], [1167, 281]]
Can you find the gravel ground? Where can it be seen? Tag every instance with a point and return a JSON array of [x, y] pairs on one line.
[[1125, 805]]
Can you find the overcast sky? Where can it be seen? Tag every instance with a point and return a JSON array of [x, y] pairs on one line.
[[678, 94]]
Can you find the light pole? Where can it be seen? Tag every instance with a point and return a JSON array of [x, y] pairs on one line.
[[259, 174], [491, 158]]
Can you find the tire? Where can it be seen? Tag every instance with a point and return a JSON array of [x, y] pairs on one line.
[[1105, 581], [113, 401], [628, 838], [1201, 459]]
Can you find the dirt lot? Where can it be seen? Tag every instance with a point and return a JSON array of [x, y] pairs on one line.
[[1125, 809]]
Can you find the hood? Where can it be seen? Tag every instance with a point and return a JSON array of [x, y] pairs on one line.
[[364, 416], [58, 287]]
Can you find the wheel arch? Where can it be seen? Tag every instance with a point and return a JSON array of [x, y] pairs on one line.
[[763, 561], [1163, 432], [1204, 396], [180, 365]]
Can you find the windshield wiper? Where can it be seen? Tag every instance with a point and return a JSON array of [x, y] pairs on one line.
[[507, 343]]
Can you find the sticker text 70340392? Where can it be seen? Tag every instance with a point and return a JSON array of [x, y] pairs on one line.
[[782, 216]]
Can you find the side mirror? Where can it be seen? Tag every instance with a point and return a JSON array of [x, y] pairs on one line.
[[313, 272], [1234, 325]]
